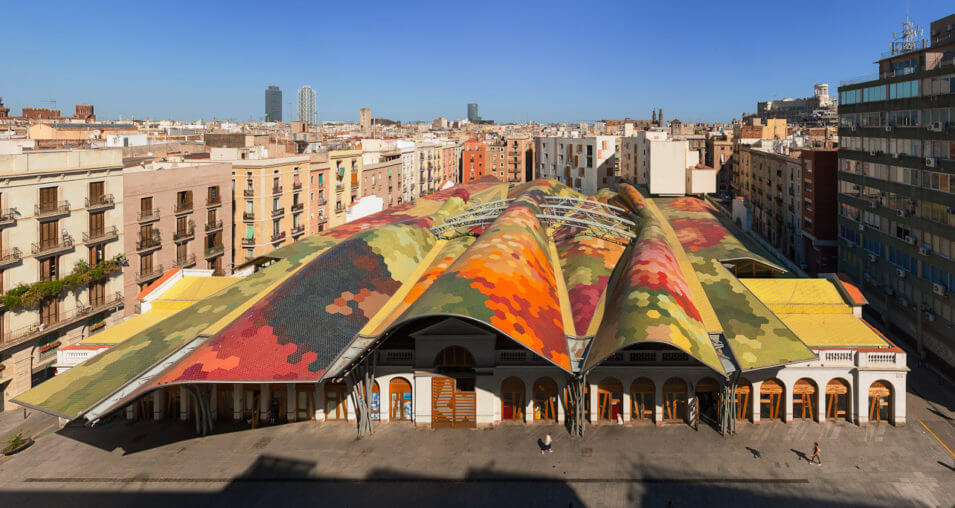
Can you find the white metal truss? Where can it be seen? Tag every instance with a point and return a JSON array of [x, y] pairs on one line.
[[480, 215], [578, 202]]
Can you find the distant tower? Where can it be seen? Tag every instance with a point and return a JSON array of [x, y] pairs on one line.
[[364, 118], [307, 109], [4, 112], [654, 121], [821, 90], [660, 116], [273, 104], [473, 113]]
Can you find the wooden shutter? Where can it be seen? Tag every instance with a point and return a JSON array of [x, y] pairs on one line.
[[442, 401], [465, 406]]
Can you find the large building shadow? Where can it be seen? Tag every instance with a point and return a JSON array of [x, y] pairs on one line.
[[277, 481]]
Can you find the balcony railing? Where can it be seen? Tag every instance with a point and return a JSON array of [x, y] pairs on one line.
[[186, 234], [212, 227], [278, 237], [149, 274], [102, 235], [64, 320], [51, 209], [185, 262], [248, 242], [51, 247], [321, 200], [297, 207], [278, 212], [297, 230], [99, 202], [8, 216], [276, 190], [249, 193], [149, 243], [10, 257], [248, 216], [184, 207], [215, 250], [147, 215], [296, 185], [321, 219], [213, 201]]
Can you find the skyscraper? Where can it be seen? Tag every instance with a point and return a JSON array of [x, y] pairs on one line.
[[273, 104], [307, 109], [473, 113]]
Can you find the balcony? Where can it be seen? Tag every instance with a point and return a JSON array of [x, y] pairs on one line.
[[213, 201], [297, 185], [149, 274], [321, 200], [52, 247], [67, 319], [99, 202], [147, 215], [276, 190], [321, 219], [298, 230], [100, 236], [52, 209], [297, 207], [184, 235], [212, 227], [248, 216], [150, 243], [278, 212], [8, 217], [10, 257], [183, 207], [340, 187], [248, 242], [249, 193], [185, 262], [215, 250], [278, 237]]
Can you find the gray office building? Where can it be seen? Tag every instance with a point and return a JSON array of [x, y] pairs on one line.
[[273, 104], [473, 113]]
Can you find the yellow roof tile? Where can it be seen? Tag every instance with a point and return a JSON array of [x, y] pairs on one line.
[[832, 330], [197, 288], [794, 291]]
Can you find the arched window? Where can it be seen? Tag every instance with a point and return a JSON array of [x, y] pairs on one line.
[[545, 399], [401, 407], [454, 357], [838, 401], [880, 402], [770, 400], [674, 400], [642, 395], [609, 399], [512, 399]]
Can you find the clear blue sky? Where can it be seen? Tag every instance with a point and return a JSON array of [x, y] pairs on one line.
[[544, 61]]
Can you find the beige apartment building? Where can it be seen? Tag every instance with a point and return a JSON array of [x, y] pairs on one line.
[[271, 204], [771, 184], [346, 169], [178, 215], [60, 223], [383, 179]]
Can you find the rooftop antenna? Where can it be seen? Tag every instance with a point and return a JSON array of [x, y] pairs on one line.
[[911, 38]]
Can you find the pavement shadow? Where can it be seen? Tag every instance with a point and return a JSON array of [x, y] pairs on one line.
[[946, 466], [134, 437], [801, 455]]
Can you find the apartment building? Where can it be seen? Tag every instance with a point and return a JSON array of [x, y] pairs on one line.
[[495, 159], [820, 249], [383, 180], [427, 167], [271, 204], [346, 168], [520, 158], [665, 166], [319, 176], [584, 163], [60, 232], [177, 215], [473, 160], [719, 154], [771, 184], [897, 188]]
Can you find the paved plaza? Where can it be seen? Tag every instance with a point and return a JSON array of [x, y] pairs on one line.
[[163, 464]]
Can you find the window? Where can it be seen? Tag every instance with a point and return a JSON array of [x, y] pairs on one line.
[[49, 234], [97, 294], [146, 205], [213, 194], [97, 253], [97, 224], [49, 268], [48, 198], [97, 191], [275, 228], [146, 264]]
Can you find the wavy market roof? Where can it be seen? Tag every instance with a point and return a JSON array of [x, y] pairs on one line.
[[541, 269]]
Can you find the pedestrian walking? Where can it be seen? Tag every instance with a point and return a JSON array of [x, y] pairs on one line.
[[548, 442], [815, 454]]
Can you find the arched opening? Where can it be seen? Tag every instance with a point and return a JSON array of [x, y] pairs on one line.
[[804, 399], [744, 405], [304, 401], [643, 405], [880, 402], [400, 407], [224, 402], [707, 398], [453, 402], [336, 407], [375, 408], [609, 400], [251, 396], [545, 400], [454, 357], [513, 400], [771, 400], [278, 404], [838, 400], [674, 400]]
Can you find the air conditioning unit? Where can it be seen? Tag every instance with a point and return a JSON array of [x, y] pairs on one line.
[[930, 162], [900, 273], [925, 250], [861, 227], [939, 289], [873, 258], [935, 126], [909, 239], [888, 128]]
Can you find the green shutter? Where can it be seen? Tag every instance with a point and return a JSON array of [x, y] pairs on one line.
[[249, 231]]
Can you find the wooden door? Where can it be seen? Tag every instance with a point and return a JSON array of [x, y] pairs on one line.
[[97, 191], [453, 402], [97, 294], [224, 402], [97, 224], [49, 234], [674, 401], [48, 199], [401, 405], [837, 400], [49, 311], [336, 406], [609, 399], [512, 399], [304, 402], [465, 403], [642, 403]]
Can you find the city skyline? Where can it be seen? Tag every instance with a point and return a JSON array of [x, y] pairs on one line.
[[614, 75]]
